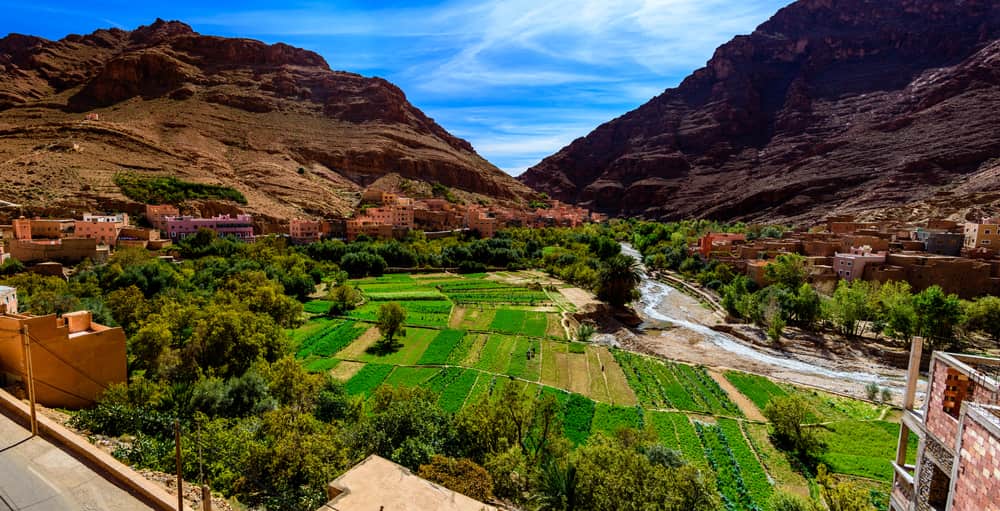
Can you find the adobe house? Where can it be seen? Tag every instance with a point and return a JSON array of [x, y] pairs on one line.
[[958, 457], [73, 358], [377, 483]]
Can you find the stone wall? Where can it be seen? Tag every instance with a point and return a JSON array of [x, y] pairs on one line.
[[977, 487]]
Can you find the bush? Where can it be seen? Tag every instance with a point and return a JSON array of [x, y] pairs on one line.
[[461, 475], [170, 190]]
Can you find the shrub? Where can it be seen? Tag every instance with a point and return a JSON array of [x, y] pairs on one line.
[[170, 190]]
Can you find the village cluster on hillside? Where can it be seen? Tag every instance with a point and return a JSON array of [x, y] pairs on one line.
[[960, 258]]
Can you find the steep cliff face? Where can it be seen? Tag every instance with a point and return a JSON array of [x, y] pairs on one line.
[[270, 120], [830, 106]]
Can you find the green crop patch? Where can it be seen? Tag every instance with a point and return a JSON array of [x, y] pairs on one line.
[[454, 395], [410, 376], [495, 355], [367, 379], [660, 384], [862, 448], [411, 347], [676, 432], [578, 417], [429, 313], [737, 482], [317, 306], [321, 365], [758, 389], [524, 360], [441, 347], [333, 337], [609, 418]]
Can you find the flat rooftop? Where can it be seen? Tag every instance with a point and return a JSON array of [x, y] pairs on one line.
[[377, 483]]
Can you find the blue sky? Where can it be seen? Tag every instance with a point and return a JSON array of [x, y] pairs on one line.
[[519, 79]]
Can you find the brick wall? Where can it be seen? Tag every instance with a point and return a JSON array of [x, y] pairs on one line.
[[977, 487], [939, 423]]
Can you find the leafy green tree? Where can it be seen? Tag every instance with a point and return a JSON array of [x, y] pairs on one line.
[[782, 501], [937, 314], [462, 475], [842, 496], [404, 425], [850, 307], [129, 307], [787, 270], [613, 476], [983, 315], [362, 264], [896, 310], [342, 298], [226, 342], [390, 321], [11, 267], [262, 295], [617, 280], [788, 416]]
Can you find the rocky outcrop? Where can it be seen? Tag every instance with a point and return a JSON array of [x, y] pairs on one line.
[[830, 106], [273, 121]]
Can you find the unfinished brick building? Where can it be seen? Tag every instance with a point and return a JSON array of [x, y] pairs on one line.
[[958, 458]]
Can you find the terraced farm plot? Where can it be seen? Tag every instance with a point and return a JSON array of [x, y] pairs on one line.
[[356, 349], [758, 389], [414, 343], [609, 418], [317, 306], [332, 337], [495, 355], [492, 292], [429, 313], [676, 431], [410, 376], [863, 448], [476, 317], [345, 370], [598, 385], [554, 326], [618, 388], [577, 418], [514, 321], [441, 347], [321, 365], [740, 478], [659, 384], [525, 359], [454, 395], [367, 379]]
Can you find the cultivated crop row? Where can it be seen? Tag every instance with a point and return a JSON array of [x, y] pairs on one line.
[[673, 385], [330, 339], [737, 494], [758, 389], [367, 379], [441, 347]]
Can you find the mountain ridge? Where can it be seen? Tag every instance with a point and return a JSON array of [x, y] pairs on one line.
[[830, 106], [273, 121]]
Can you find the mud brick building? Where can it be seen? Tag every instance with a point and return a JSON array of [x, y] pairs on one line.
[[958, 458]]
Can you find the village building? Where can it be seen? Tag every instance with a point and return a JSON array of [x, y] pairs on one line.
[[304, 231], [377, 483], [958, 456], [4, 256], [141, 237], [103, 228], [719, 241], [37, 239], [237, 226], [156, 215], [73, 358], [8, 300], [851, 266], [985, 234]]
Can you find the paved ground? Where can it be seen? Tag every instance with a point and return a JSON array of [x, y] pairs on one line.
[[37, 476]]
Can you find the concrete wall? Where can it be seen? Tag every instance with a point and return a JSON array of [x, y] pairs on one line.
[[73, 361]]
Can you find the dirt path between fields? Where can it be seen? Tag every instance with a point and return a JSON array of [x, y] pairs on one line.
[[746, 406]]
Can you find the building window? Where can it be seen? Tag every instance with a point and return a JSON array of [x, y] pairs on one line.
[[956, 388], [986, 242]]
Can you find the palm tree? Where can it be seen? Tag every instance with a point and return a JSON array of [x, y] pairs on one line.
[[556, 489], [617, 280]]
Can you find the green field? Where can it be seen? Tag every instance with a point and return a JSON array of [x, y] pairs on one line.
[[466, 339]]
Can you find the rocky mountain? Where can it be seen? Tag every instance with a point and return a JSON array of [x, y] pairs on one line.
[[830, 106], [272, 121]]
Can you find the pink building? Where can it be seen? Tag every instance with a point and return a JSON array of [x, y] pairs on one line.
[[238, 226], [8, 300], [852, 265], [157, 214], [305, 231], [103, 228]]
